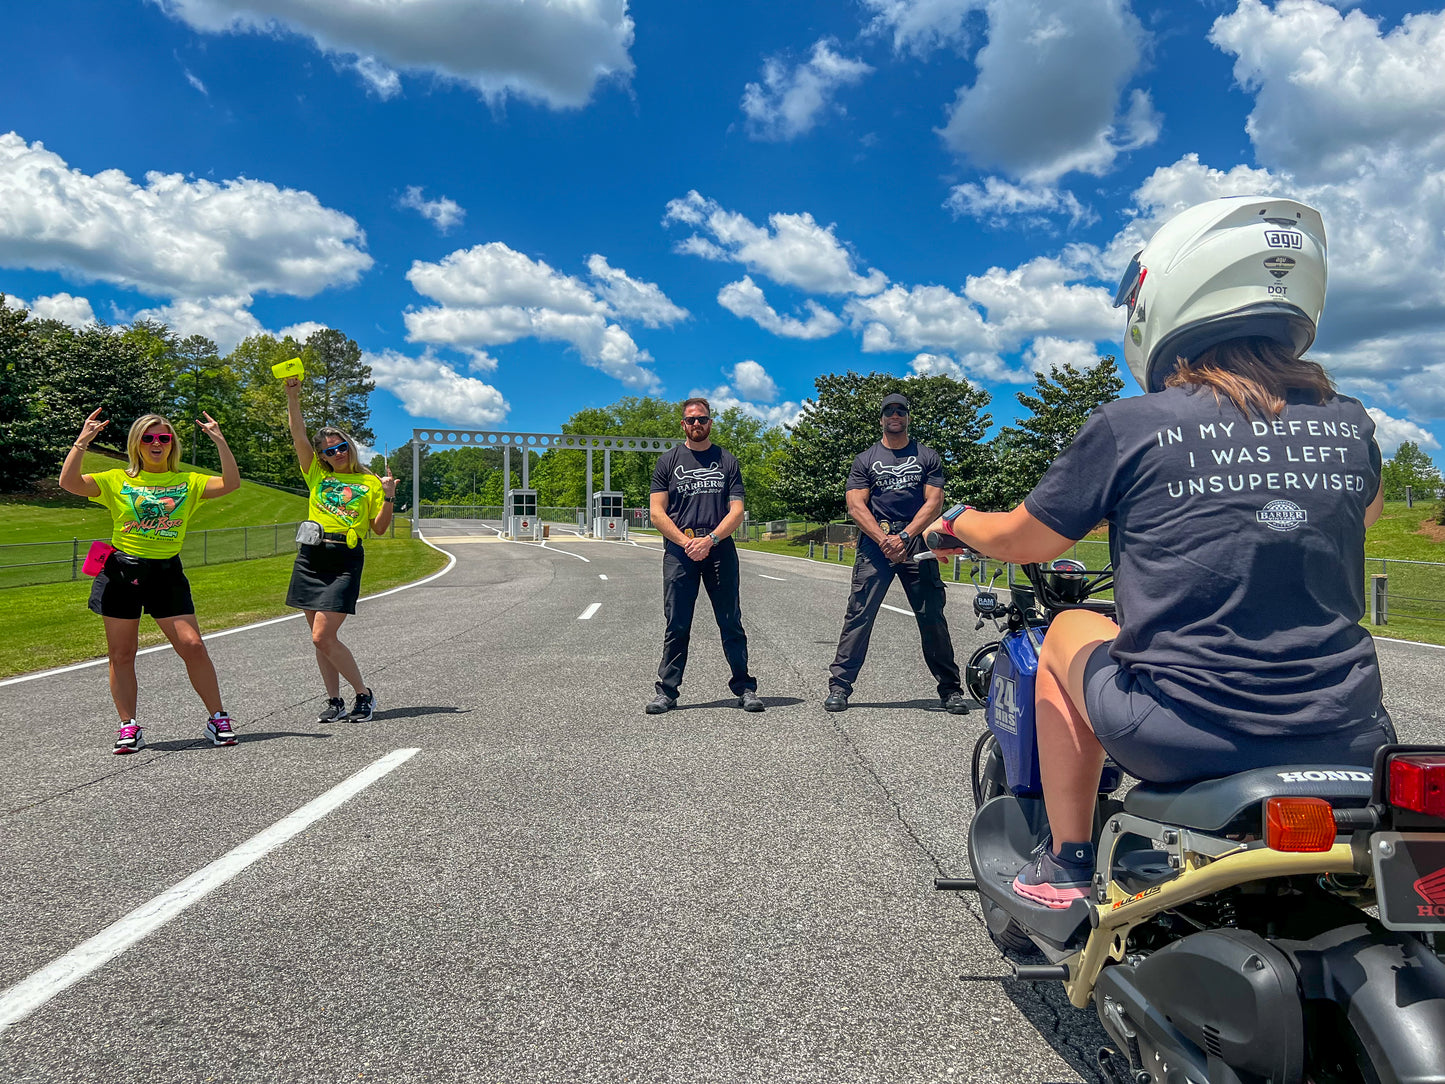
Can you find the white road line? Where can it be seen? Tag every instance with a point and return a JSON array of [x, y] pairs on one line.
[[451, 563], [601, 577], [765, 576], [33, 991], [897, 610], [586, 615]]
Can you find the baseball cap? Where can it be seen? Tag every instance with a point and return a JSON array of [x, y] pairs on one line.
[[889, 400]]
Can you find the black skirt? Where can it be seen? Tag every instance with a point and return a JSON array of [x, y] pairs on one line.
[[326, 577]]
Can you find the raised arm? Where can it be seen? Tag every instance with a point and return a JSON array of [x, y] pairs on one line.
[[230, 479], [71, 480], [300, 440], [382, 522]]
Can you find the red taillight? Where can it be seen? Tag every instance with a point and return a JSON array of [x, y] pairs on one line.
[[1299, 824], [1417, 783]]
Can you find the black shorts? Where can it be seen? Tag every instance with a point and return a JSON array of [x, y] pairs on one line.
[[1153, 738], [326, 577], [127, 585]]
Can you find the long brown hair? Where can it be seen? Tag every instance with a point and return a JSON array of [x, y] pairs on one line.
[[1255, 374]]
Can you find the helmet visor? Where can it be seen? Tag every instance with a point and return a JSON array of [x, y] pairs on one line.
[[1130, 283]]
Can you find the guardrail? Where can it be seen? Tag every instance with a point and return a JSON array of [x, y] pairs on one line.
[[26, 564]]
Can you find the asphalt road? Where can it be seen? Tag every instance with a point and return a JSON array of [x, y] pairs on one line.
[[554, 886]]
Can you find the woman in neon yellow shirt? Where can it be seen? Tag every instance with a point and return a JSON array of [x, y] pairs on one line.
[[326, 581], [151, 503]]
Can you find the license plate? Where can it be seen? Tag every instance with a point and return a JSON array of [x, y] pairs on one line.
[[1410, 879]]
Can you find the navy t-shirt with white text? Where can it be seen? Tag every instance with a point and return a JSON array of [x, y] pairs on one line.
[[699, 486], [1238, 550], [895, 479]]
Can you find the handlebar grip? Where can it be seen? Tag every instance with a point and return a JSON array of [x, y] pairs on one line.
[[937, 540]]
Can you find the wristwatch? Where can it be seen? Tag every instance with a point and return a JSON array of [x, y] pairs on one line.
[[904, 536], [953, 514], [713, 537]]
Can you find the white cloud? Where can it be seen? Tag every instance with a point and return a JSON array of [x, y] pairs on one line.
[[429, 388], [196, 83], [491, 295], [1391, 432], [554, 51], [173, 237], [443, 213], [301, 331], [788, 102], [796, 251], [725, 398], [1046, 353], [1333, 96], [745, 298], [75, 311], [969, 368], [379, 79], [1046, 100], [631, 299], [1001, 203], [753, 382], [223, 320], [921, 26]]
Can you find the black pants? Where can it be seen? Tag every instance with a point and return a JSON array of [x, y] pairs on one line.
[[680, 578], [872, 575]]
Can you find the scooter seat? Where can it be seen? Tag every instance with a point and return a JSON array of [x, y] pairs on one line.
[[1211, 805]]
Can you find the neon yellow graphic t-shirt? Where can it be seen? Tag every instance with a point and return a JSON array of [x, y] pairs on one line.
[[343, 502], [149, 512]]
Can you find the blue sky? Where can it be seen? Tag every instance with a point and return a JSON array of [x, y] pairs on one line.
[[519, 209]]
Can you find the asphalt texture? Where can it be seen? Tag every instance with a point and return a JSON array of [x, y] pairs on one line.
[[556, 886]]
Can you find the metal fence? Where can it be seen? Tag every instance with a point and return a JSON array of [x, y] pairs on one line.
[[28, 563]]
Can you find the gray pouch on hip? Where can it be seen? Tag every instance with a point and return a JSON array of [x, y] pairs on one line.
[[309, 532]]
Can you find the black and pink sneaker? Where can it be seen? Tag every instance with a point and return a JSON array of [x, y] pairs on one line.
[[1057, 880], [218, 729], [128, 739]]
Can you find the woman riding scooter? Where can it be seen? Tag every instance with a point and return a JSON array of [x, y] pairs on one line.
[[1237, 492]]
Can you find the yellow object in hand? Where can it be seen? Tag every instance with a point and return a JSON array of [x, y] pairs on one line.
[[281, 370]]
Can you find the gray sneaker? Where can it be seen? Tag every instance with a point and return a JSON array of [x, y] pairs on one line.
[[955, 704], [750, 701], [363, 708], [335, 709], [659, 704]]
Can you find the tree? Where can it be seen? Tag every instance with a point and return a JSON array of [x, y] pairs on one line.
[[29, 446], [258, 434], [1062, 401], [337, 384], [201, 383], [1409, 467], [844, 420]]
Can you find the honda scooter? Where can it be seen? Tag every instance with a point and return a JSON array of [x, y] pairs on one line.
[[1284, 924]]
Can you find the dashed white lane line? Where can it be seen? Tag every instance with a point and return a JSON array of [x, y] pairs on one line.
[[897, 610], [765, 576], [586, 615], [600, 576], [33, 991]]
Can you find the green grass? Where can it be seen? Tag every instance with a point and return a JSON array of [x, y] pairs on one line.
[[53, 515], [49, 625]]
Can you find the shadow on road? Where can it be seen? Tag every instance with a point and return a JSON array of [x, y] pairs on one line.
[[181, 745], [732, 702], [419, 710]]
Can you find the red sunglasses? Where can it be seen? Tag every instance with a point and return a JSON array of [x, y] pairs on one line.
[[155, 438]]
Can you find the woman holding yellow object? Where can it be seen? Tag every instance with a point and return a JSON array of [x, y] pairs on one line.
[[151, 503], [346, 501]]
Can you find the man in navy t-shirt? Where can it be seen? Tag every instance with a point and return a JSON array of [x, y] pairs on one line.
[[697, 503], [894, 491]]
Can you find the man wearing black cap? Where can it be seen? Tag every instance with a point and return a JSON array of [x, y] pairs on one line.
[[894, 491]]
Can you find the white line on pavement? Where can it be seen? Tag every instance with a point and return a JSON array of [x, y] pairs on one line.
[[451, 562], [765, 576], [586, 615], [600, 576], [33, 991], [897, 610]]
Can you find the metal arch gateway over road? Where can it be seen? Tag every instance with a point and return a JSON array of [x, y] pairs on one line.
[[539, 443]]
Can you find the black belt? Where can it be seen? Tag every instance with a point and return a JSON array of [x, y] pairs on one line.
[[698, 532], [893, 526]]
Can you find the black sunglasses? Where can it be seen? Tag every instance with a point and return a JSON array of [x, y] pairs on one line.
[[893, 410], [701, 419], [155, 438]]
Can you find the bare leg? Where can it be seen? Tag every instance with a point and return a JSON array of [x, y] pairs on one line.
[[185, 636], [323, 635], [1070, 757], [329, 675], [121, 637]]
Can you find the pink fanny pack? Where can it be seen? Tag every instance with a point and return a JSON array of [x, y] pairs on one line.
[[95, 560]]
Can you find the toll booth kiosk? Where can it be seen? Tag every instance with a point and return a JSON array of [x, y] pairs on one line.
[[522, 522], [607, 519]]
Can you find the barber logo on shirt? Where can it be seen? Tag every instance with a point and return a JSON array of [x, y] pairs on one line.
[[905, 474], [698, 480], [1281, 515]]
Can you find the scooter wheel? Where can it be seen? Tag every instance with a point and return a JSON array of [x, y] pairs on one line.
[[979, 671]]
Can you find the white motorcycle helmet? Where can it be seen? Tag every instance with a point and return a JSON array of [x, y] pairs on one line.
[[1226, 269]]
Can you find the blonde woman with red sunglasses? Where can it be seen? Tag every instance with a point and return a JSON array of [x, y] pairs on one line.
[[346, 501], [151, 503]]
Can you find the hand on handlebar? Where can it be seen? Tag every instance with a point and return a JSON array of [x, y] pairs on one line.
[[944, 543]]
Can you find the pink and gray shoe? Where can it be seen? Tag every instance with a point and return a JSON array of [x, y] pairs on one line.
[[1057, 880], [219, 730], [128, 739]]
